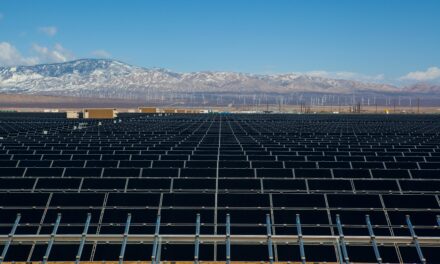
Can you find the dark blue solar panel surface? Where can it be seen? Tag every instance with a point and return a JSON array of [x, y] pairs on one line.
[[177, 166]]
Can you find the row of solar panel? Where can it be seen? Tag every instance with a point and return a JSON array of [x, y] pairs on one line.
[[190, 133], [261, 120], [249, 185], [198, 148], [188, 130], [231, 142], [196, 127], [354, 158], [215, 164], [223, 200], [201, 145], [213, 173], [277, 141], [199, 155], [282, 218]]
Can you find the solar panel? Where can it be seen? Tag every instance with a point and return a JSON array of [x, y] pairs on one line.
[[34, 164], [23, 199], [251, 179], [13, 172], [376, 185], [284, 185], [298, 200], [77, 199], [188, 200], [121, 172], [352, 173], [354, 201], [148, 184], [66, 184], [133, 199], [16, 184], [243, 200], [83, 172], [103, 184], [28, 215], [411, 201], [312, 173], [341, 185], [18, 253], [397, 174]]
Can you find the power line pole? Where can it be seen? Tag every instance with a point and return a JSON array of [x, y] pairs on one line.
[[418, 105], [267, 104]]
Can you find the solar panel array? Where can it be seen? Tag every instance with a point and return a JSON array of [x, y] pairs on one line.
[[270, 174]]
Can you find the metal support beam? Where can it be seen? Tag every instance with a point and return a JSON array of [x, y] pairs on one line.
[[341, 239], [124, 241], [52, 238], [197, 240], [228, 239], [338, 250], [269, 238], [10, 236], [83, 239], [188, 239], [373, 240], [415, 239], [155, 242], [300, 239], [159, 251]]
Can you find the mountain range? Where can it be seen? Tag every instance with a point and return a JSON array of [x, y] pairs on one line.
[[104, 78]]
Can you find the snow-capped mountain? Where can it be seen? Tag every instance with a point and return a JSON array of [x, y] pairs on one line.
[[114, 79]]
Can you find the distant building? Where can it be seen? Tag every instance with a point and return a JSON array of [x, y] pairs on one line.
[[100, 113], [72, 114], [149, 110]]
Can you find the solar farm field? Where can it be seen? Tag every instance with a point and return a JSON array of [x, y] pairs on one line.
[[221, 187]]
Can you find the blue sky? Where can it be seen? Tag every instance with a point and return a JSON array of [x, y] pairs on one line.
[[378, 40]]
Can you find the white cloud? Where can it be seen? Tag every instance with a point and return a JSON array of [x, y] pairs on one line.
[[430, 74], [49, 30], [347, 75], [101, 54], [57, 54], [10, 56]]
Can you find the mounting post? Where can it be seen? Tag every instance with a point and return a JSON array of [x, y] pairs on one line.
[[338, 249], [124, 241], [10, 236], [155, 242], [342, 241], [197, 240], [228, 239], [159, 251], [415, 239], [269, 238], [52, 238], [83, 239], [373, 239], [300, 239]]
